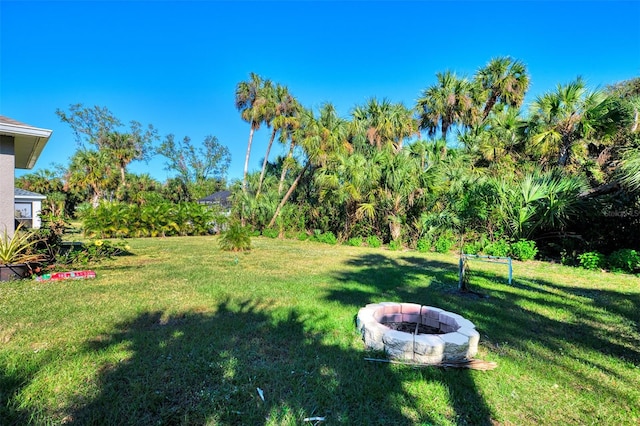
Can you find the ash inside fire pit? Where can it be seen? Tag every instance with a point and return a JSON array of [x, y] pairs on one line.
[[410, 327]]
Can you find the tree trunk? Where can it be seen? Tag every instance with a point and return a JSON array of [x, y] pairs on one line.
[[246, 159], [287, 195], [489, 106], [264, 163], [284, 169]]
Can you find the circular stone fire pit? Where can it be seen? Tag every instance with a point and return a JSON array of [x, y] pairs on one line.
[[421, 334]]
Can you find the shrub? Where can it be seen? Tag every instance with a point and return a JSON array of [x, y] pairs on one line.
[[444, 243], [373, 241], [625, 260], [592, 260], [524, 250], [395, 245], [303, 236], [92, 251], [270, 233], [327, 238], [236, 238], [354, 241], [498, 248], [423, 245], [472, 248], [115, 219]]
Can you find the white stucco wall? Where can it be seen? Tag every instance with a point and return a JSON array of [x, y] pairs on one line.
[[7, 168], [36, 222]]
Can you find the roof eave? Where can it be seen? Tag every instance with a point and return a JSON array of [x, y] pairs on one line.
[[32, 138]]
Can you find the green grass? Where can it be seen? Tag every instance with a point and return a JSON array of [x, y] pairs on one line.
[[183, 333]]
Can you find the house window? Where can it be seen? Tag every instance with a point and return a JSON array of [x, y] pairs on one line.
[[23, 211]]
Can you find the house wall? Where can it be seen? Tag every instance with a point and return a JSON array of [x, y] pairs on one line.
[[7, 173], [36, 207]]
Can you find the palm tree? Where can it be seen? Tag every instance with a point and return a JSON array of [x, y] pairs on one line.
[[281, 115], [539, 200], [629, 170], [570, 117], [289, 132], [252, 102], [384, 123], [498, 138], [322, 139], [128, 147], [447, 103], [122, 147], [502, 80], [90, 169]]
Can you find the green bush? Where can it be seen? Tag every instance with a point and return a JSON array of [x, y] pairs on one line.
[[270, 233], [592, 260], [116, 220], [472, 248], [524, 250], [625, 260], [92, 252], [498, 248], [236, 238], [423, 245], [395, 245], [303, 236], [326, 238], [354, 242], [373, 241], [444, 243]]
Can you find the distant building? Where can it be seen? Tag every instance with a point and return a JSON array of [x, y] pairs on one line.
[[220, 198], [20, 147], [27, 208]]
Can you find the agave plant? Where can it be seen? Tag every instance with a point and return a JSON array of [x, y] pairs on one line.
[[15, 249]]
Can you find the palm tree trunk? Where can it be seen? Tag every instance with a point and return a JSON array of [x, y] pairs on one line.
[[294, 185], [489, 106], [264, 163], [284, 169], [246, 159], [122, 175]]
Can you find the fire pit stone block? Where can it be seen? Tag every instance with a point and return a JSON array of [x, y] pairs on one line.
[[429, 345], [456, 346], [373, 335], [398, 345]]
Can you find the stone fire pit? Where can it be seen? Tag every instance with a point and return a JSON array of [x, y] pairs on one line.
[[421, 334]]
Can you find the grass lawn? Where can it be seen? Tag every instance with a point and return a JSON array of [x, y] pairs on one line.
[[183, 333]]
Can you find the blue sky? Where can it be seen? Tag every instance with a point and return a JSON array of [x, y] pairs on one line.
[[176, 64]]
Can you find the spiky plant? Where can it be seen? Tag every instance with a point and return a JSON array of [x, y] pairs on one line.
[[15, 249]]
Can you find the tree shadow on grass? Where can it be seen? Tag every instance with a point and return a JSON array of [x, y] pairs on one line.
[[206, 368], [375, 277], [537, 318]]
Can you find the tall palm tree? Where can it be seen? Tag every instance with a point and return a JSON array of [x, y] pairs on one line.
[[502, 80], [447, 103], [281, 114], [252, 102], [290, 133], [498, 138], [127, 147], [91, 169], [322, 139], [384, 123], [569, 117]]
